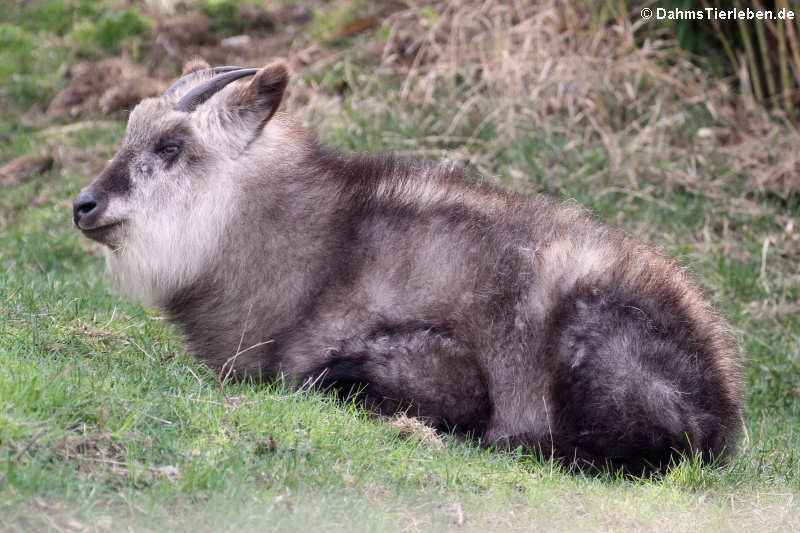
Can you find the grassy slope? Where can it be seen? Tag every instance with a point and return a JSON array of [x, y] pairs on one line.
[[105, 422]]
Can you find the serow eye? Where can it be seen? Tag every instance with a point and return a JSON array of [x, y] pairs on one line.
[[169, 151]]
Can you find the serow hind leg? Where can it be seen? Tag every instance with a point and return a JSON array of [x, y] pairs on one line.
[[417, 370]]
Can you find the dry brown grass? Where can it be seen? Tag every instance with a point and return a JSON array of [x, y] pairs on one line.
[[408, 427], [560, 70], [578, 74]]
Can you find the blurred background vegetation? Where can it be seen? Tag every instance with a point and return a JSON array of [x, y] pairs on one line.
[[746, 74], [763, 58]]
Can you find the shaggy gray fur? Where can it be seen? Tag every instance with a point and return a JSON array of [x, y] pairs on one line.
[[515, 318]]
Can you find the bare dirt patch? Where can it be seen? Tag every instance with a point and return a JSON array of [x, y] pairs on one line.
[[25, 166], [264, 37], [103, 88]]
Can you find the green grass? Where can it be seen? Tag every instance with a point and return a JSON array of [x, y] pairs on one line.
[[107, 423], [109, 32]]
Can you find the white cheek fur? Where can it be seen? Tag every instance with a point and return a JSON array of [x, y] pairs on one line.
[[167, 245]]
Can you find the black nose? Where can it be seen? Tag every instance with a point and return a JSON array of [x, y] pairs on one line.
[[85, 207]]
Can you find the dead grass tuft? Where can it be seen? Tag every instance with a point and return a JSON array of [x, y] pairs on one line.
[[408, 427], [91, 449], [771, 160]]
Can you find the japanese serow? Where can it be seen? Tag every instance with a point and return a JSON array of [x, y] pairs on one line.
[[513, 318]]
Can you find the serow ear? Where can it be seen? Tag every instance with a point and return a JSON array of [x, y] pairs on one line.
[[259, 100]]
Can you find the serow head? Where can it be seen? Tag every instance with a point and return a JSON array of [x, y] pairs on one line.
[[163, 205], [174, 148]]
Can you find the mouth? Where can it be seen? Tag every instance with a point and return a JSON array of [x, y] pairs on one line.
[[100, 233]]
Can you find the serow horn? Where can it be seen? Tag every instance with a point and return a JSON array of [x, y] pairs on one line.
[[192, 75], [207, 89]]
